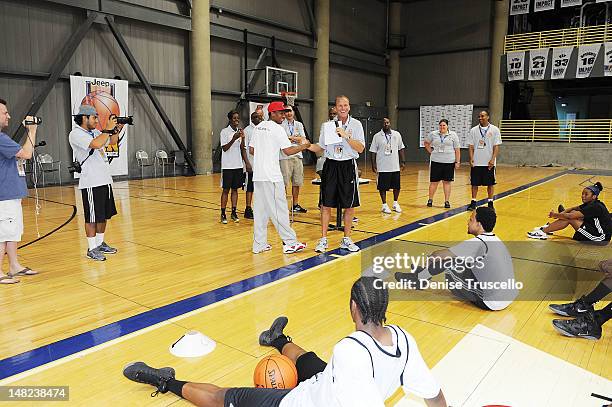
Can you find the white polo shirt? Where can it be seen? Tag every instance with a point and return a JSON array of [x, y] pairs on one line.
[[343, 151], [484, 139], [364, 373], [295, 129], [267, 140], [443, 146], [232, 158], [386, 147], [248, 134], [96, 169]]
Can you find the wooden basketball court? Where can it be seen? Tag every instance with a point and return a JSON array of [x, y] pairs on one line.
[[178, 269]]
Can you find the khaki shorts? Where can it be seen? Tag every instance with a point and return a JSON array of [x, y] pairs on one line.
[[293, 171], [11, 220]]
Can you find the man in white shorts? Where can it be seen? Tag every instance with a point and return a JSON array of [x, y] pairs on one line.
[[12, 190]]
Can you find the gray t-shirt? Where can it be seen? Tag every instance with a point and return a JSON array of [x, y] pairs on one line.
[[343, 151], [96, 169], [295, 129], [497, 268], [386, 147], [443, 146], [484, 139]]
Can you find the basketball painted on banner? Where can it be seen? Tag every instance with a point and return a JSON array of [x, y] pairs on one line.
[[104, 103]]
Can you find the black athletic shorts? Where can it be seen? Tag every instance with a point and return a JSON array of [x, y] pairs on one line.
[[339, 184], [482, 176], [589, 233], [232, 179], [441, 171], [388, 180], [308, 365], [249, 181], [464, 294], [98, 204]]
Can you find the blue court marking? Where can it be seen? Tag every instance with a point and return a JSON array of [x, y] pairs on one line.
[[74, 344]]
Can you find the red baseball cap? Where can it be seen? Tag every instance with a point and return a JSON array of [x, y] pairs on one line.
[[277, 106]]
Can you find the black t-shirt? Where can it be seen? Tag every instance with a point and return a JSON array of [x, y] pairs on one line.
[[596, 216]]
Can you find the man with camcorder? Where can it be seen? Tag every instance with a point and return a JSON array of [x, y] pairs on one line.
[[95, 180]]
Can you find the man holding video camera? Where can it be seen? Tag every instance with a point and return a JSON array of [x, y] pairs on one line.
[[95, 180]]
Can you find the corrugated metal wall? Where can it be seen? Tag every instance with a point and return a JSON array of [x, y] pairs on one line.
[[447, 61], [34, 32]]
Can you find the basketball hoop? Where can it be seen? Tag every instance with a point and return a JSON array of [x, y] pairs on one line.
[[289, 97]]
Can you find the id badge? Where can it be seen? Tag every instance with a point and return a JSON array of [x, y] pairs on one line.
[[441, 149], [338, 151], [387, 149], [481, 144], [21, 168]]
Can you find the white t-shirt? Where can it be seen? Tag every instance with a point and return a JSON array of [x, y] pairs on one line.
[[295, 129], [343, 151], [96, 169], [267, 140], [232, 158], [484, 139], [443, 146], [386, 147], [364, 373], [248, 134], [498, 267]]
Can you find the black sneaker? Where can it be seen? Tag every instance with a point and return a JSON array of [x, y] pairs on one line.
[[490, 204], [234, 217], [248, 213], [140, 372], [573, 309], [429, 203], [447, 204], [560, 208], [298, 209], [584, 326], [472, 206], [223, 218], [407, 277], [276, 330]]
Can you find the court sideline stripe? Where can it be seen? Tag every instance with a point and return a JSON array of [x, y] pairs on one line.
[[60, 349]]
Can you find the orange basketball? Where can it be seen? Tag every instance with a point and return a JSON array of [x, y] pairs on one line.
[[104, 103], [275, 372]]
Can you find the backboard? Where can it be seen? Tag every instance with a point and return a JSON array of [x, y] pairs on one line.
[[280, 80]]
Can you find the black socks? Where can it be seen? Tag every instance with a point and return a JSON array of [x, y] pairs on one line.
[[279, 342], [175, 386]]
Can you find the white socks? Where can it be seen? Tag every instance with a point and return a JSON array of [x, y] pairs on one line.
[[99, 239], [91, 243]]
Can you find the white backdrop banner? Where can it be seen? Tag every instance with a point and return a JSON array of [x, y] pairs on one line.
[[587, 54], [570, 3], [519, 7], [253, 106], [560, 61], [543, 5], [515, 62], [538, 59], [608, 59], [107, 96], [459, 120]]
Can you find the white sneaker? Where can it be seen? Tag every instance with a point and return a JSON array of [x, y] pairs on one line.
[[537, 234], [262, 249], [385, 208], [396, 207], [322, 245], [544, 226], [347, 244], [294, 248]]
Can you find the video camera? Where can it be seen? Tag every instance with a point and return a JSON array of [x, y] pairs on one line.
[[129, 120], [35, 120]]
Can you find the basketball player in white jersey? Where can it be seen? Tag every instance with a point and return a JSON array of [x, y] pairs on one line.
[[365, 369]]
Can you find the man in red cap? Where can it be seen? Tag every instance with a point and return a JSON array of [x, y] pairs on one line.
[[270, 202]]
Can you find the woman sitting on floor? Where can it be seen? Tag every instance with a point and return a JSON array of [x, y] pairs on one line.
[[591, 220]]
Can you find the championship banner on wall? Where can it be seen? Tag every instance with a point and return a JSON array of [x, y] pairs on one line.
[[519, 7], [516, 66], [459, 120], [570, 3], [560, 61], [543, 5], [538, 59], [587, 55], [608, 59], [107, 96]]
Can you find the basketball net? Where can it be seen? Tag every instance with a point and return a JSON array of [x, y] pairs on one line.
[[290, 98]]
